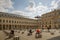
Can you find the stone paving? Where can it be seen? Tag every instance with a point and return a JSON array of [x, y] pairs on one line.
[[45, 35]]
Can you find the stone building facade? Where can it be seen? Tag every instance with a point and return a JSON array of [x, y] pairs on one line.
[[10, 21], [50, 19]]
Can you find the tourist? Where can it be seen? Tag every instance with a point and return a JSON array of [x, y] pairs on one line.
[[11, 34], [38, 31]]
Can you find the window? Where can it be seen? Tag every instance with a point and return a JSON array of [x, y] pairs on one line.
[[0, 20], [12, 21], [9, 26], [0, 15], [3, 27], [0, 27], [59, 26], [59, 13], [46, 16], [15, 21], [7, 21], [50, 22], [43, 23], [3, 20]]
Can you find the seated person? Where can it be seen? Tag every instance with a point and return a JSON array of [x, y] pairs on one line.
[[38, 31]]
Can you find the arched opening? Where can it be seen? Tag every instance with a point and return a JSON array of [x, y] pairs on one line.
[[45, 26], [6, 27], [3, 27], [9, 27], [0, 27], [49, 26]]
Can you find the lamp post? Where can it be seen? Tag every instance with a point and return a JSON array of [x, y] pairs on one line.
[[38, 19]]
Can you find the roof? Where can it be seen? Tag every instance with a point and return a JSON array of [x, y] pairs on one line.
[[14, 15]]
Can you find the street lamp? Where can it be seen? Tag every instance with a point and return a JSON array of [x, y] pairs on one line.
[[38, 19]]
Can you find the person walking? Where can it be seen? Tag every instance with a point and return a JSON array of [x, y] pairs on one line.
[[30, 31], [11, 34]]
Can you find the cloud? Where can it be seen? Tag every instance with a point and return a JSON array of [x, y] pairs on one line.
[[24, 14], [37, 10], [18, 12], [41, 8], [5, 5], [55, 4], [21, 13], [31, 6], [34, 10], [58, 5]]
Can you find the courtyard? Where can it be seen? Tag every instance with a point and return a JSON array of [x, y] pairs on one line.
[[45, 35]]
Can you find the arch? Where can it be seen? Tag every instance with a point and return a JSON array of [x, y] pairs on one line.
[[0, 27], [3, 27], [9, 27]]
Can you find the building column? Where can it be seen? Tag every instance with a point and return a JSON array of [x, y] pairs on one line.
[[2, 27], [57, 26]]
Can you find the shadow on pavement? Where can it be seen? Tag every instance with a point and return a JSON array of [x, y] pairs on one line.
[[55, 38]]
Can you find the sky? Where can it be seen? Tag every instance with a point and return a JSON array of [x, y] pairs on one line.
[[29, 8]]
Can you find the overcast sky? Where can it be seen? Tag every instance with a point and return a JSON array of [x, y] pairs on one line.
[[29, 8]]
